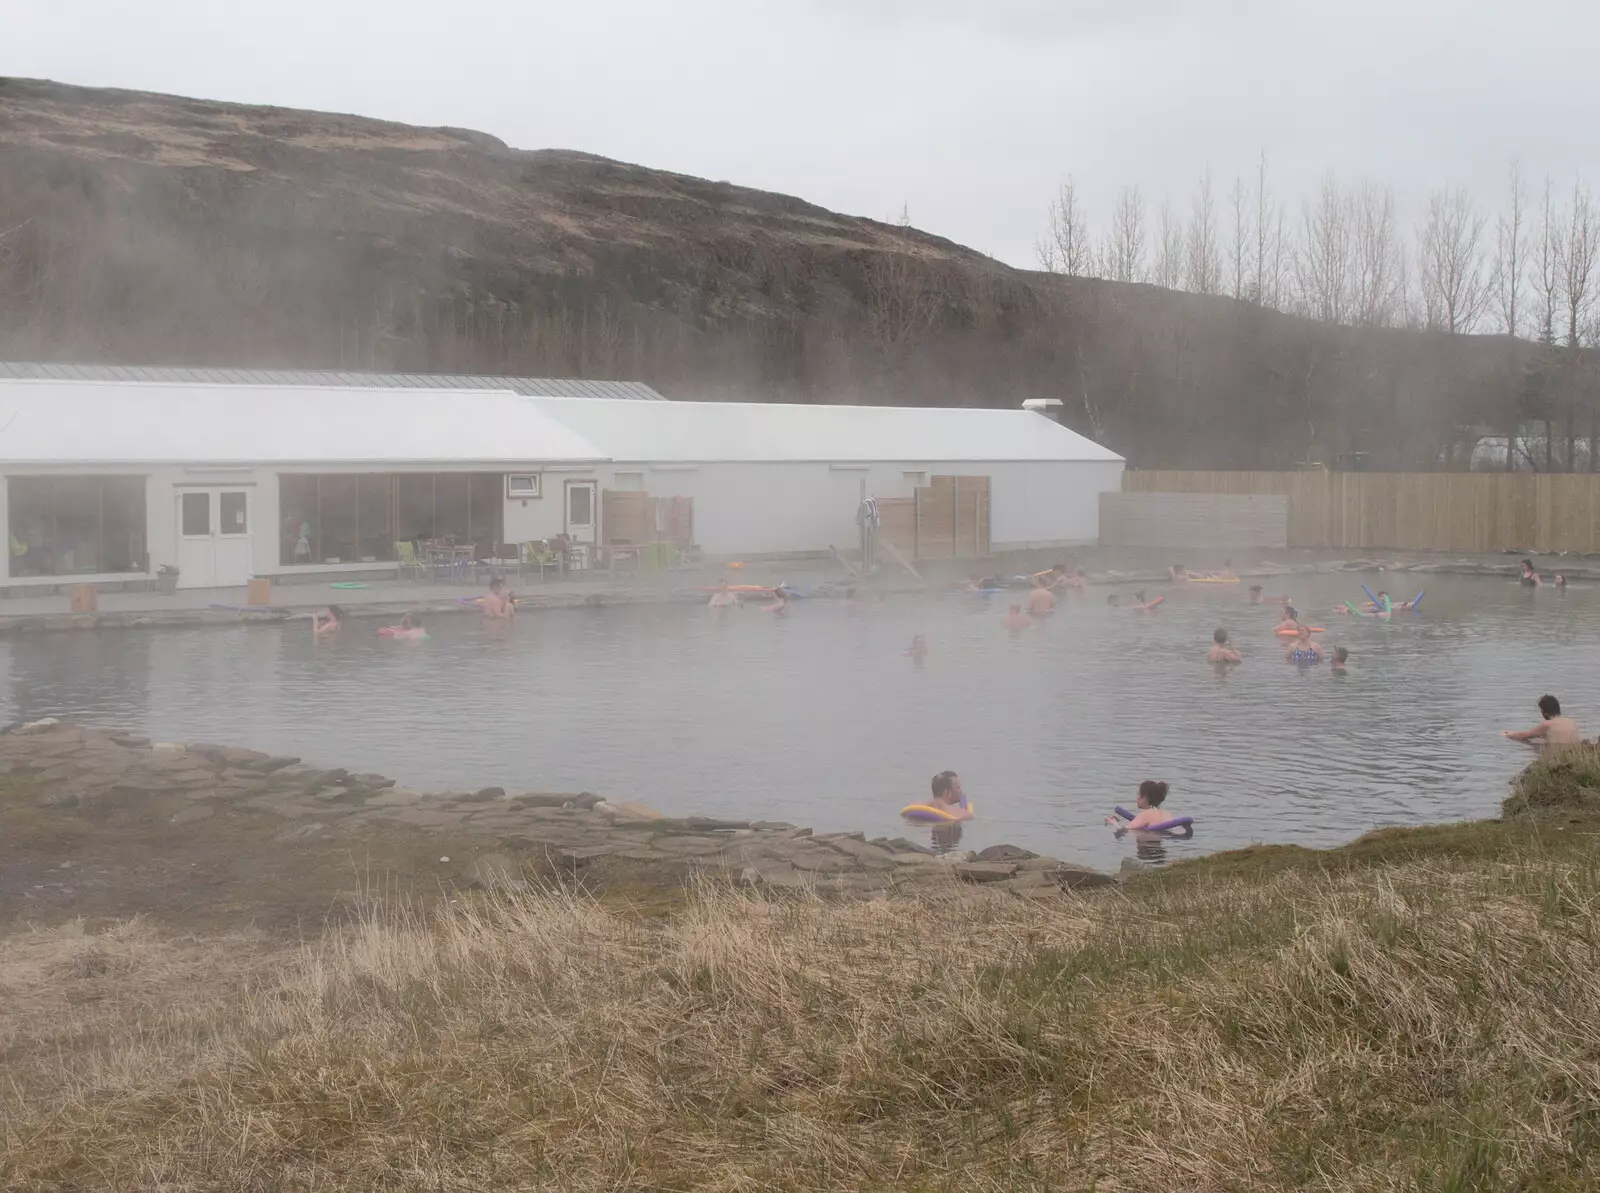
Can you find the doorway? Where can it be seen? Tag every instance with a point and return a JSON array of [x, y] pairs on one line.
[[582, 512], [215, 547]]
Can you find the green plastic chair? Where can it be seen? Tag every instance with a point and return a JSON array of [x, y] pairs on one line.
[[406, 555], [538, 555]]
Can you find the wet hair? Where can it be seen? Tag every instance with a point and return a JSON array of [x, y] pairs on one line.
[[1291, 613], [1060, 567], [1255, 588], [1340, 654], [942, 782], [1016, 608], [496, 582], [1113, 599], [1227, 563], [1153, 791], [1139, 596], [1081, 572], [1549, 707], [1220, 637], [335, 612]]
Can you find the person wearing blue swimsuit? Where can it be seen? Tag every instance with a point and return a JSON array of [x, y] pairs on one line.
[[1303, 650]]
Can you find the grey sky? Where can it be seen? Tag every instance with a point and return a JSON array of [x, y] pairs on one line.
[[968, 113]]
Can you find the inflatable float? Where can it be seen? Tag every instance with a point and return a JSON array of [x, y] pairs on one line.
[[1166, 826], [414, 634], [1402, 606], [1315, 629], [928, 814], [1211, 580]]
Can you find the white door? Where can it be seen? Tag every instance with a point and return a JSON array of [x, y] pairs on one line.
[[215, 548], [582, 511]]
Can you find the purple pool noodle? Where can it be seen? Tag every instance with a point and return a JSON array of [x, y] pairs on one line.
[[1164, 826]]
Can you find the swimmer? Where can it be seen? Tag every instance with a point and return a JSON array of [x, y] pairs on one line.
[[499, 605], [327, 625], [1221, 652], [1303, 650], [1041, 603], [1561, 579], [1552, 730], [1340, 657], [918, 650], [1079, 581], [1291, 621], [948, 796], [1529, 576], [723, 597], [1152, 792], [1113, 601], [1140, 605], [1254, 597], [1177, 573], [410, 627], [779, 603], [1016, 619], [1227, 572]]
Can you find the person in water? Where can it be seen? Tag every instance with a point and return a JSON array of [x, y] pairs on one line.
[[498, 605], [1529, 576], [1016, 619], [410, 627], [1221, 652], [1227, 572], [1255, 597], [1340, 657], [948, 796], [724, 597], [1561, 579], [327, 625], [1303, 650], [779, 603], [1178, 574], [918, 650], [1113, 600], [1152, 794], [1140, 605], [1041, 602], [1291, 621], [1553, 729]]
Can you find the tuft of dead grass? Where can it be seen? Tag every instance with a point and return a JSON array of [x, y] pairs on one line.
[[1417, 1027], [1562, 777]]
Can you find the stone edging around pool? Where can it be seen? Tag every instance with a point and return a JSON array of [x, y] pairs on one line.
[[92, 770], [639, 595]]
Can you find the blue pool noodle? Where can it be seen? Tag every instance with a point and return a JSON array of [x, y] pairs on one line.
[[1371, 596]]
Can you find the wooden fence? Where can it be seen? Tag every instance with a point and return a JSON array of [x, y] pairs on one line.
[[947, 519], [1414, 511]]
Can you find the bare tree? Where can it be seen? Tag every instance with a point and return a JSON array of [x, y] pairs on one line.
[[1376, 299], [1544, 267], [1123, 251], [1271, 243], [1169, 263], [1455, 292], [1510, 255], [1322, 261], [1575, 260], [1066, 247], [1241, 241], [1203, 263]]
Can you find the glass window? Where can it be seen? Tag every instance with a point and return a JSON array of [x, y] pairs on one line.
[[196, 513], [487, 513], [76, 525], [234, 514], [629, 482], [580, 504], [377, 529], [337, 498], [414, 503], [297, 526], [452, 506]]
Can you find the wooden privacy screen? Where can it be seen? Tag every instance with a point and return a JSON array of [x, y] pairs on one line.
[[1178, 520], [949, 519], [1415, 511], [635, 517]]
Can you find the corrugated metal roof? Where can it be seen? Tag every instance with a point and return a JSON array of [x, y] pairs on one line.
[[108, 422], [705, 432], [555, 387]]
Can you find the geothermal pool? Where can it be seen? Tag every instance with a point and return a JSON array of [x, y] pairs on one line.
[[819, 718]]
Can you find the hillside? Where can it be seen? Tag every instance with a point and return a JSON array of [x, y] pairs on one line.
[[154, 229]]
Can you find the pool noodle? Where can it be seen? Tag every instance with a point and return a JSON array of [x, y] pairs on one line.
[[1164, 826], [1417, 600], [1371, 596]]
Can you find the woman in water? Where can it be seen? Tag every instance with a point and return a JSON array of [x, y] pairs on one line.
[[1290, 622], [1221, 652], [1303, 650], [779, 603], [1529, 576], [410, 627], [327, 625], [1152, 794], [918, 650]]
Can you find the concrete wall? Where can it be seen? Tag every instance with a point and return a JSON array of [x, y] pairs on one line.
[[1180, 520]]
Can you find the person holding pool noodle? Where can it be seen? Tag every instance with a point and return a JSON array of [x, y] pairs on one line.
[[1149, 817]]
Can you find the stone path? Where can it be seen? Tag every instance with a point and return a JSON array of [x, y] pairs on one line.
[[78, 767]]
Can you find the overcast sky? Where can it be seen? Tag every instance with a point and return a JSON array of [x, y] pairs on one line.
[[967, 113]]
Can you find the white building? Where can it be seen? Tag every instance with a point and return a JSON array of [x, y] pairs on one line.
[[109, 480]]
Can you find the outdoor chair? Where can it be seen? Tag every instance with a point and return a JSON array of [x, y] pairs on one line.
[[538, 556], [406, 556]]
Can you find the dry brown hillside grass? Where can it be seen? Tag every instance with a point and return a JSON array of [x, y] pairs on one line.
[[1427, 1025]]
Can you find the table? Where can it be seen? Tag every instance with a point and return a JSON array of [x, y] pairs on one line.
[[454, 558]]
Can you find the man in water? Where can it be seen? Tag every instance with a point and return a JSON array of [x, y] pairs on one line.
[[723, 597], [948, 796], [1221, 652], [1553, 730], [1340, 657], [1041, 603], [1016, 619], [498, 605]]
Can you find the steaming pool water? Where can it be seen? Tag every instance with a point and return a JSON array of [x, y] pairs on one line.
[[820, 719]]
